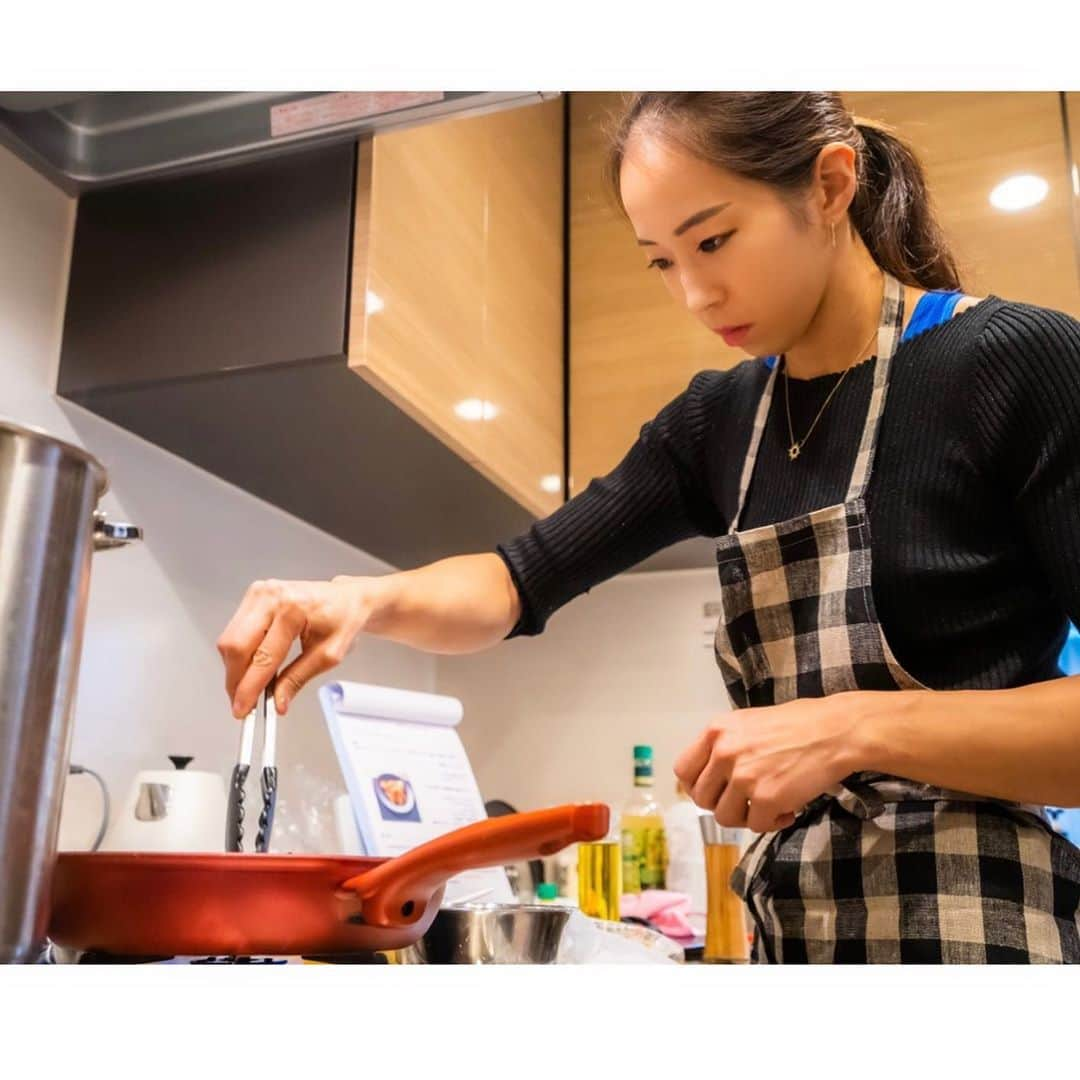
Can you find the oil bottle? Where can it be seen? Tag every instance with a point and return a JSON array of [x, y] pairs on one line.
[[600, 875], [644, 845]]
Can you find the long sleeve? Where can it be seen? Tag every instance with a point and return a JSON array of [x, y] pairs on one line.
[[1026, 408], [656, 496]]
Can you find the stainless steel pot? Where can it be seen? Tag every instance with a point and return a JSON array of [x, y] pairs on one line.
[[490, 934], [48, 528]]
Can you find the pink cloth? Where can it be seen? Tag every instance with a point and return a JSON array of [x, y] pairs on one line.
[[666, 911]]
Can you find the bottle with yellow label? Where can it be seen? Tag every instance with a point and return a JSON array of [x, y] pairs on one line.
[[644, 845]]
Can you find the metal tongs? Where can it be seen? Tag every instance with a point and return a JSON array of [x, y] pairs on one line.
[[234, 821]]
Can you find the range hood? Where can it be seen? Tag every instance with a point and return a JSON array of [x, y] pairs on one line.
[[88, 141]]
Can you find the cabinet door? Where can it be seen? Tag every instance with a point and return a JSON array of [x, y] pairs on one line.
[[457, 308]]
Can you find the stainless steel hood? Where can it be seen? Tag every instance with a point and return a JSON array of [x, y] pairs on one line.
[[87, 141]]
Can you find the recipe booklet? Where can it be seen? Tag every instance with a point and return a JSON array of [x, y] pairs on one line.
[[407, 774]]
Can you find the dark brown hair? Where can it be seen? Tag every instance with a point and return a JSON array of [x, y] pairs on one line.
[[776, 138]]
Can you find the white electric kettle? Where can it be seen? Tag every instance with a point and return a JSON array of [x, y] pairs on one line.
[[171, 810]]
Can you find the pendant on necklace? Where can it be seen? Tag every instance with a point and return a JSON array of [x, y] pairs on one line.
[[793, 451]]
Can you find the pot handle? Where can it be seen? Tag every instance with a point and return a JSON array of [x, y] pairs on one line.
[[398, 891]]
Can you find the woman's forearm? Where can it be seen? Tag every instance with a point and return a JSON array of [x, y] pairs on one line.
[[457, 605], [1021, 744]]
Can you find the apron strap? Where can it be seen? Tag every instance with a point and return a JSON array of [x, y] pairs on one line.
[[760, 417], [892, 323]]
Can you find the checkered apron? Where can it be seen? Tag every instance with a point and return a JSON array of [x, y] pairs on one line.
[[878, 868]]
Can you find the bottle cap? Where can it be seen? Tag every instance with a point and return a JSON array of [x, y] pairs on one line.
[[547, 890], [643, 766]]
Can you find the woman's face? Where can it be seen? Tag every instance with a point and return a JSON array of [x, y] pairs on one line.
[[730, 249]]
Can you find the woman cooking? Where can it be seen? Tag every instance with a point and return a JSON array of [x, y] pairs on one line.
[[894, 487]]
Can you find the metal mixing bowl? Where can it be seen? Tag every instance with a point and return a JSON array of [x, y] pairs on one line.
[[490, 934]]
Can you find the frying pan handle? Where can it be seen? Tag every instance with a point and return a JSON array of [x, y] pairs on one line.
[[398, 891]]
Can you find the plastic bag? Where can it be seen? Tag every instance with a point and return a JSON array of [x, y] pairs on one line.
[[600, 941]]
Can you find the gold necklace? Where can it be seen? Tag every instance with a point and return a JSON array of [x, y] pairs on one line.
[[795, 449]]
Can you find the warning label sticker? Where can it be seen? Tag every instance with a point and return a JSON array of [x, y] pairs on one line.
[[325, 110]]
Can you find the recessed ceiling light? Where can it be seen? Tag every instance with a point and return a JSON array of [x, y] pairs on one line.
[[373, 302], [551, 483], [476, 409], [1019, 192]]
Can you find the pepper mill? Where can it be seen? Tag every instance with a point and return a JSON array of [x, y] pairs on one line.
[[726, 938]]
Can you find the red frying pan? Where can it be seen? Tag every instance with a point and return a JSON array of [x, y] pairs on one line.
[[234, 904]]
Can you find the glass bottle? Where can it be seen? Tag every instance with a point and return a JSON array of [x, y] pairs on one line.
[[600, 875], [644, 843]]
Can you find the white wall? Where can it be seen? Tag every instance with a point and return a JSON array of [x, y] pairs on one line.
[[554, 718], [151, 682]]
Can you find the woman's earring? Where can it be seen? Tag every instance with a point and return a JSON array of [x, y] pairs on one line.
[[832, 233]]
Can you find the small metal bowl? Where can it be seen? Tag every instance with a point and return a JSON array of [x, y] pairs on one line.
[[490, 934]]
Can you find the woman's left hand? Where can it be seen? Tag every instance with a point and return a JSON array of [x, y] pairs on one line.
[[758, 767]]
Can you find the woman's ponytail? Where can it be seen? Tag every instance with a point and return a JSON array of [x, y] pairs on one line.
[[894, 216]]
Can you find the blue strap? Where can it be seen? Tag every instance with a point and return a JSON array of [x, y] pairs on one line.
[[932, 309]]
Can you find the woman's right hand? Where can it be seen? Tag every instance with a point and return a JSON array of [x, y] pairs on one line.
[[326, 617]]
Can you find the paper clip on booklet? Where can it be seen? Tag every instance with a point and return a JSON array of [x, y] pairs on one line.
[[407, 774]]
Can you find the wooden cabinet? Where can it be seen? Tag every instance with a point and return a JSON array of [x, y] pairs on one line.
[[457, 289], [632, 349]]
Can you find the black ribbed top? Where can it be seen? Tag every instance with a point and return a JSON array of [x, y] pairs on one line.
[[974, 501]]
